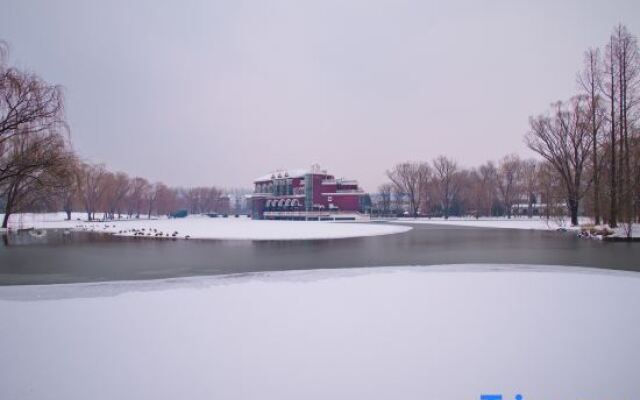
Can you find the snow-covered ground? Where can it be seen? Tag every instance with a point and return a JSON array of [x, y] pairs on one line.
[[513, 223], [202, 227], [391, 333]]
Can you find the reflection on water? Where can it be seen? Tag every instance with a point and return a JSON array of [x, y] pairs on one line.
[[60, 256], [34, 237]]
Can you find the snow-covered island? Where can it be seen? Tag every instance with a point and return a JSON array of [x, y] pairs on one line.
[[203, 227], [448, 332]]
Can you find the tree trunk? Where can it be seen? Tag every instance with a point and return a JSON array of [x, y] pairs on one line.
[[9, 206], [613, 217], [624, 123], [596, 198], [573, 209], [547, 210], [596, 169], [5, 219], [594, 138], [621, 175]]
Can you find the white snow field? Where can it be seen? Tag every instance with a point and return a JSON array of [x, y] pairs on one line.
[[202, 227], [448, 332]]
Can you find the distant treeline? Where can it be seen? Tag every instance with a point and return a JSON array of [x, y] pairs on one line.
[[94, 189], [589, 148]]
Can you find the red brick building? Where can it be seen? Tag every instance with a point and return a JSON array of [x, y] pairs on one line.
[[305, 194]]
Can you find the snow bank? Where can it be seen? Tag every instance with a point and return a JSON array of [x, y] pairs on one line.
[[621, 232], [514, 223], [405, 333], [198, 227], [534, 223]]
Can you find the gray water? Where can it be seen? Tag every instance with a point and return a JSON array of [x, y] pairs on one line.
[[63, 257]]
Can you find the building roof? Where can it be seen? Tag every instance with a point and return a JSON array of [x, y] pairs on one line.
[[285, 173]]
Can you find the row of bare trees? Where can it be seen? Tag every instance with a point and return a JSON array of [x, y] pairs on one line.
[[593, 139], [589, 145], [443, 188], [106, 195], [115, 195], [39, 170]]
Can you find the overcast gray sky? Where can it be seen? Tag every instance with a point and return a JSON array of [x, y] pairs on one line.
[[220, 92]]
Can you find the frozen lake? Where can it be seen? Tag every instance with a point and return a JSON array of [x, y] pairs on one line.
[[437, 332], [87, 257]]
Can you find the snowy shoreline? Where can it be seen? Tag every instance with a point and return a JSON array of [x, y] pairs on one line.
[[206, 228], [535, 223], [39, 292]]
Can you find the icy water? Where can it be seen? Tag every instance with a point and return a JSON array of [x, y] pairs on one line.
[[89, 257]]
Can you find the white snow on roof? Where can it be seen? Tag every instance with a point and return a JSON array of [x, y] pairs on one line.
[[288, 173]]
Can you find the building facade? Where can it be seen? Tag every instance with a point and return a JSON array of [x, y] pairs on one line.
[[306, 195]]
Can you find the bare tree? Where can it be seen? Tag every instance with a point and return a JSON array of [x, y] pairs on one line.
[[488, 175], [474, 194], [529, 170], [28, 106], [467, 190], [384, 205], [620, 89], [117, 186], [33, 137], [151, 197], [91, 182], [553, 193], [40, 168], [167, 200], [508, 181], [590, 82], [564, 140], [194, 200], [635, 154], [411, 179], [136, 197], [446, 172], [627, 58], [609, 90], [120, 190], [68, 191]]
